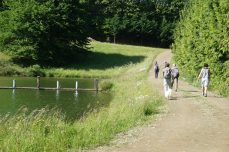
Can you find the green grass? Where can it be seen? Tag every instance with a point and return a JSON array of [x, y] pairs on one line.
[[104, 61], [133, 104]]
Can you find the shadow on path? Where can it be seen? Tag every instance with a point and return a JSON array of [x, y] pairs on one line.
[[190, 90]]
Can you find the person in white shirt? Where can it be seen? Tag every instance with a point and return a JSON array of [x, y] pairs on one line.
[[167, 81], [205, 78]]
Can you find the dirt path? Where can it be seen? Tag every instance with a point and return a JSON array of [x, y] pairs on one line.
[[192, 123]]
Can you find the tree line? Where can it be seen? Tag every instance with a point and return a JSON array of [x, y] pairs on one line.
[[51, 31], [201, 37]]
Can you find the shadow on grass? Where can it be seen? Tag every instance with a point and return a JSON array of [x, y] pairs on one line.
[[101, 61]]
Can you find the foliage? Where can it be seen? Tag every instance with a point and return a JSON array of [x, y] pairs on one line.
[[202, 37], [55, 32], [9, 69], [44, 31], [148, 22], [35, 70]]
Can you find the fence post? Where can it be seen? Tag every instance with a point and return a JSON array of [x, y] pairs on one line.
[[38, 82], [76, 85], [96, 84], [14, 84], [57, 84]]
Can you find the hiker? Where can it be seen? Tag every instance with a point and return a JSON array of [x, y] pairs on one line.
[[166, 63], [205, 78], [175, 76], [167, 81], [156, 69]]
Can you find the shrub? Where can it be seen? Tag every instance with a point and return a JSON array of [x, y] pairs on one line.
[[201, 37], [35, 70], [9, 69]]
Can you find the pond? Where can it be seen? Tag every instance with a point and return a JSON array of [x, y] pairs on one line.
[[71, 103]]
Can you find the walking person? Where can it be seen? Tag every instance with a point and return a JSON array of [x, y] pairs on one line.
[[167, 81], [205, 78], [166, 63], [175, 76], [156, 69]]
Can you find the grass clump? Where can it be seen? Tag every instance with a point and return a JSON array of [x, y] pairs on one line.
[[151, 108], [106, 85]]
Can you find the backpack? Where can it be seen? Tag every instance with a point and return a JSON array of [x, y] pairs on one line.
[[175, 72], [167, 73]]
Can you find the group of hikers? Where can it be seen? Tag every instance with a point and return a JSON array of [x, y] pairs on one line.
[[171, 76]]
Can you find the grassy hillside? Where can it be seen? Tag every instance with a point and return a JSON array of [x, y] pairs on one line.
[[104, 60], [47, 130]]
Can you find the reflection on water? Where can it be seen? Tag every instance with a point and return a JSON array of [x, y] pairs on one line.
[[57, 95], [76, 95], [13, 94], [73, 104]]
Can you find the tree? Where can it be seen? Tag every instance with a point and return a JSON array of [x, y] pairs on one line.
[[201, 37], [43, 31], [150, 22]]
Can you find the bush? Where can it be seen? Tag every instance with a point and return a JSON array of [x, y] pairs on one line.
[[201, 37], [9, 69], [35, 70], [43, 31]]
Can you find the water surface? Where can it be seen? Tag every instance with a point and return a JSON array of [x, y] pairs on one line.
[[72, 104]]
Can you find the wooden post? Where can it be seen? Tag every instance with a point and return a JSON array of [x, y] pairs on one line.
[[76, 85], [57, 85], [96, 86], [14, 84], [38, 82]]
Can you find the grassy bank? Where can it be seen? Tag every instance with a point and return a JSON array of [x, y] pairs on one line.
[[134, 103], [103, 60]]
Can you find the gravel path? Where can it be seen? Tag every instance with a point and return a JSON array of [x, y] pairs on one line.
[[192, 123]]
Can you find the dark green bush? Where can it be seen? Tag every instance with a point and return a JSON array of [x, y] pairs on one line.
[[35, 70]]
